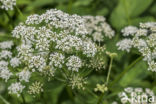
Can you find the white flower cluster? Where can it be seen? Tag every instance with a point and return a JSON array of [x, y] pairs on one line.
[[74, 63], [7, 4], [125, 45], [77, 81], [24, 75], [98, 28], [144, 39], [7, 63], [37, 62], [130, 30], [132, 95], [16, 88], [57, 59], [101, 88], [54, 30], [50, 41], [6, 45], [4, 72], [5, 54], [58, 19], [35, 88]]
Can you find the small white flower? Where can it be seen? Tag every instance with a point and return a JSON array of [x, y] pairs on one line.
[[152, 66], [24, 75], [125, 44], [69, 43], [35, 88], [141, 32], [3, 64], [5, 74], [37, 62], [98, 37], [147, 24], [74, 63], [97, 27], [57, 59], [129, 30], [16, 88], [139, 43], [14, 62], [8, 4], [6, 44], [77, 81], [5, 54], [89, 48]]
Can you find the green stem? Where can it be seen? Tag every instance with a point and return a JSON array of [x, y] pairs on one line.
[[10, 19], [19, 12], [24, 102], [7, 14], [42, 97], [6, 102], [91, 93], [107, 80], [101, 97], [120, 76], [109, 70], [60, 79], [70, 93]]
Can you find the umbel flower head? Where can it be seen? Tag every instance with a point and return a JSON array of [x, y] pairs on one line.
[[143, 39], [50, 44], [7, 4]]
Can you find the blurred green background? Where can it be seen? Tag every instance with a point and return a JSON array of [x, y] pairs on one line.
[[119, 13]]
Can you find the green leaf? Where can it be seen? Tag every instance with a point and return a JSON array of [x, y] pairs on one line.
[[38, 3], [136, 21], [82, 2], [135, 75], [111, 47], [23, 2], [103, 11], [54, 91]]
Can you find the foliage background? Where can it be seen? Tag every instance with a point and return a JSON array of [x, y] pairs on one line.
[[119, 13]]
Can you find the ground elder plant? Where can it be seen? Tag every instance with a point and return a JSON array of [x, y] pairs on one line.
[[143, 39], [48, 56], [53, 45]]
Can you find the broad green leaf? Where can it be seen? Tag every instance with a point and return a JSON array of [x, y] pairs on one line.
[[103, 11], [23, 2], [135, 75], [54, 91], [137, 20], [38, 3], [82, 2]]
